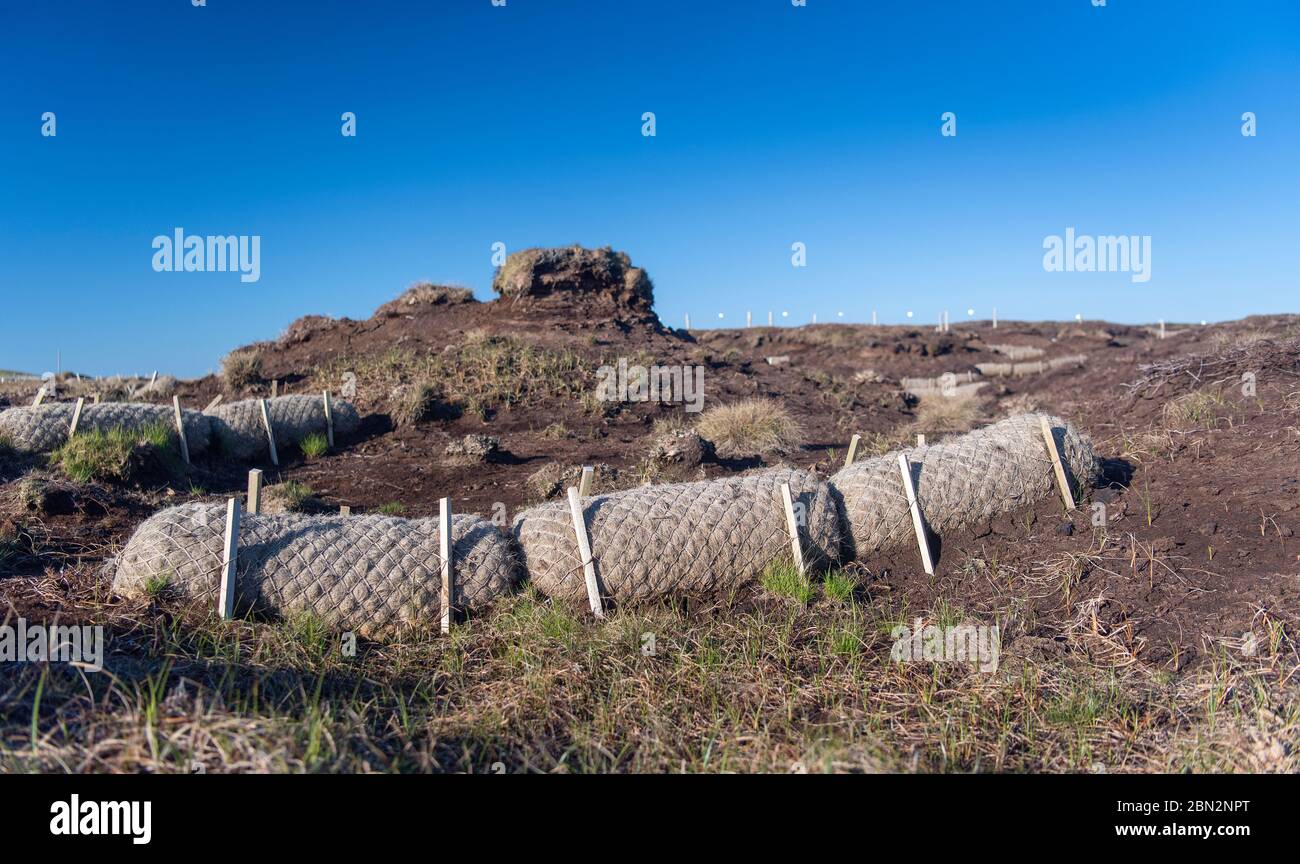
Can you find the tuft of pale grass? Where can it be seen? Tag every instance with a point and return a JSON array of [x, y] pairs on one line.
[[938, 413], [293, 496], [416, 403], [1203, 409], [242, 369], [751, 427]]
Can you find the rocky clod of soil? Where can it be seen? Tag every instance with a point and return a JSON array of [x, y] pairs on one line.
[[600, 277]]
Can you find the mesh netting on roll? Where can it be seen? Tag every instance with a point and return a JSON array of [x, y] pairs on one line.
[[960, 481], [41, 428], [238, 426], [374, 575], [698, 538]]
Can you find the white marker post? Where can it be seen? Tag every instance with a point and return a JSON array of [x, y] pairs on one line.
[[792, 523], [270, 433], [917, 522], [584, 552], [995, 317], [213, 404], [920, 439], [444, 549], [345, 510], [853, 449], [769, 317], [1162, 328], [584, 485], [180, 429], [255, 491], [76, 416], [329, 419], [153, 379], [226, 599], [873, 317], [688, 320], [1050, 440]]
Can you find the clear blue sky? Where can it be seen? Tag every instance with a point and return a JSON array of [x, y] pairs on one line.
[[522, 125]]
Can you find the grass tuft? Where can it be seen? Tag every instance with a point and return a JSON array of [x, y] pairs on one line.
[[751, 427], [242, 369], [784, 580], [118, 455], [839, 586], [315, 445]]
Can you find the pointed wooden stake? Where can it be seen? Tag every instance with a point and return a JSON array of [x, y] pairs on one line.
[[792, 524], [584, 485], [213, 404], [1050, 440], [329, 419], [40, 397], [226, 599], [853, 449], [584, 553], [270, 433], [76, 416], [918, 524], [444, 550], [180, 429]]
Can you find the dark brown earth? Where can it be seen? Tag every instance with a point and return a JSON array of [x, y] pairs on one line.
[[1200, 512]]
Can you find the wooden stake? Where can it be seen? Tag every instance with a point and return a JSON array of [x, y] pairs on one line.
[[329, 419], [920, 439], [226, 599], [40, 397], [345, 510], [444, 549], [275, 387], [180, 429], [584, 485], [96, 398], [213, 404], [255, 491], [796, 548], [584, 552], [270, 433], [153, 379], [917, 522], [688, 321], [1050, 440], [995, 317], [853, 449], [76, 416]]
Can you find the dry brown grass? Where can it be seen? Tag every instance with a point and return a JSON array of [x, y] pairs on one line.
[[413, 403], [751, 427], [241, 369], [938, 413]]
